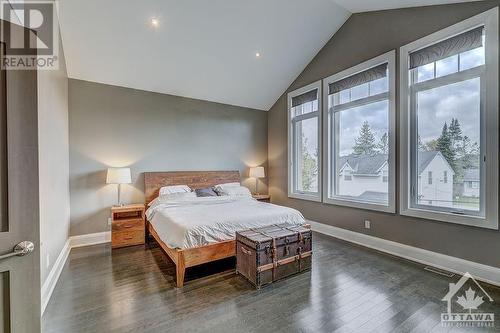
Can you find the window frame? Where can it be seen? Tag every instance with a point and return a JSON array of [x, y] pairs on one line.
[[489, 125], [390, 59], [292, 193]]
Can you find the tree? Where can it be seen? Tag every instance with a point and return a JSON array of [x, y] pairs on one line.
[[383, 144], [364, 144], [455, 132], [421, 145], [444, 145], [431, 145], [309, 167], [467, 157]]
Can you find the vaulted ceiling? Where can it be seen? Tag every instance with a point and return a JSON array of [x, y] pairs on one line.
[[237, 52]]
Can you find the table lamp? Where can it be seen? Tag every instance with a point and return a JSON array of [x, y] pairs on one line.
[[118, 176], [257, 172]]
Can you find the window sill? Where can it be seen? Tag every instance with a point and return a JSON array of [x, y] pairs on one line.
[[469, 220], [302, 196], [362, 205]]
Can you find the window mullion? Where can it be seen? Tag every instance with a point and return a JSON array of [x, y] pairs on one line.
[[361, 102]]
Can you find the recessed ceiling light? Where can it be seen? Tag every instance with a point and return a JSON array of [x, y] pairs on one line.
[[155, 22], [257, 54]]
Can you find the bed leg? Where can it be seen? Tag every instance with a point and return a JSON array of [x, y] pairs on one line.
[[180, 270], [146, 235]]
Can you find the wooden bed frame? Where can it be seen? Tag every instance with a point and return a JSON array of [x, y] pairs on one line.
[[184, 258]]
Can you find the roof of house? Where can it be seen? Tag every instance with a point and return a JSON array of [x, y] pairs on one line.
[[424, 158], [364, 164], [371, 164], [471, 175]]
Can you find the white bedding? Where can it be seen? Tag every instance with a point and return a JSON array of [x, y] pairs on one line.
[[194, 222]]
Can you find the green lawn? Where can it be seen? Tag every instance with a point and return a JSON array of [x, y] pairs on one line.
[[466, 202]]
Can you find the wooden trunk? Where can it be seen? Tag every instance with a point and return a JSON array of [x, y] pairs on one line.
[[264, 255]]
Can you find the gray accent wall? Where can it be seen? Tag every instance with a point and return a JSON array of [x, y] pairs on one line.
[[362, 37], [112, 126], [53, 160]]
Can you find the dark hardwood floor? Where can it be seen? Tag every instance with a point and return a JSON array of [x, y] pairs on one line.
[[350, 289]]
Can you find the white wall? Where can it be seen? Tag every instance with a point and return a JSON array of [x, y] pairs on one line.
[[360, 184], [439, 192], [53, 140], [471, 191]]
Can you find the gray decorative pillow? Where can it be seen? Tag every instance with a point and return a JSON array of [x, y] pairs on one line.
[[205, 192]]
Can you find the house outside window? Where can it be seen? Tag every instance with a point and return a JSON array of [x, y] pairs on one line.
[[304, 144], [458, 65], [360, 100]]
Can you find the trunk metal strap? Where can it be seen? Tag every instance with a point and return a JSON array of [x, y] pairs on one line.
[[277, 262]]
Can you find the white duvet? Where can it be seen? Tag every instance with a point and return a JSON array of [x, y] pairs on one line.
[[193, 222]]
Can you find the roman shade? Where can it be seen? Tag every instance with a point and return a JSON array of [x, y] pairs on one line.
[[461, 43], [357, 79], [305, 98]]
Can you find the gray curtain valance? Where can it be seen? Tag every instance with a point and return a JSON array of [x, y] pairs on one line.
[[371, 74], [461, 43], [305, 98]]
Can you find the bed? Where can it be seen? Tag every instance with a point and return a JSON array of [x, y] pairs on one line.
[[194, 233]]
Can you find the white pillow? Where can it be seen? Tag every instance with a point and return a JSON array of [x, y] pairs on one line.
[[174, 189], [173, 197], [236, 191], [221, 187]]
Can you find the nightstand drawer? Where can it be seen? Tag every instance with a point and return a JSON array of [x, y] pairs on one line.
[[127, 238], [128, 225]]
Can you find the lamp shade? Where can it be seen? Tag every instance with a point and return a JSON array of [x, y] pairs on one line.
[[118, 176], [257, 172]]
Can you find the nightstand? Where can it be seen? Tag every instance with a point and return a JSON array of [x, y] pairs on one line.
[[262, 197], [127, 225]]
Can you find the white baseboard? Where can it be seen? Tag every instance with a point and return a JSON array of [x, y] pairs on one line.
[[55, 272], [71, 243], [90, 239], [481, 272]]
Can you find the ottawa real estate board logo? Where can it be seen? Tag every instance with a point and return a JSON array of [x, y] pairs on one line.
[[464, 300], [30, 35]]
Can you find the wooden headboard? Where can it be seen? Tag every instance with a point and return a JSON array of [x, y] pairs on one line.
[[153, 181]]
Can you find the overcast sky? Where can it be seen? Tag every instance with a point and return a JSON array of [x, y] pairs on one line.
[[351, 121], [460, 100]]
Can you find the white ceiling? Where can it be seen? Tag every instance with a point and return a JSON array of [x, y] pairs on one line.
[[358, 6], [204, 49]]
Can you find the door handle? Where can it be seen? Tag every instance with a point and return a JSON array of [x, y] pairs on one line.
[[21, 249]]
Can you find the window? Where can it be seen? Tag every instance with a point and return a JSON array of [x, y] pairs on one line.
[[359, 135], [449, 92], [304, 144]]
